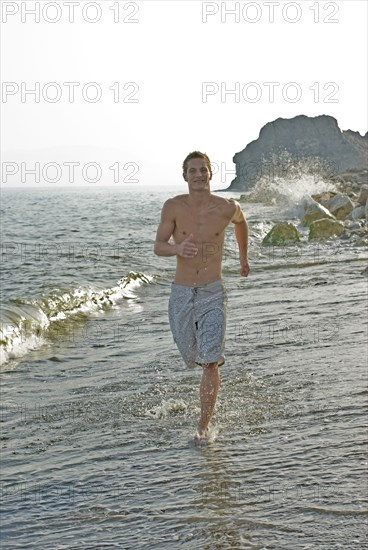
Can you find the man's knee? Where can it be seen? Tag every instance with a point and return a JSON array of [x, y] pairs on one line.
[[210, 365]]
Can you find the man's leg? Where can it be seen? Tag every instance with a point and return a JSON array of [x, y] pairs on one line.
[[182, 322], [210, 384]]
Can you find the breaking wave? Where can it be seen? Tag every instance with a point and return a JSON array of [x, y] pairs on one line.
[[27, 324]]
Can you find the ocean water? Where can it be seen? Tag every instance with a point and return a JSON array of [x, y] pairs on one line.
[[98, 411]]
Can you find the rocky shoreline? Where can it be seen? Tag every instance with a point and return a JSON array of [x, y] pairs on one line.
[[339, 214]]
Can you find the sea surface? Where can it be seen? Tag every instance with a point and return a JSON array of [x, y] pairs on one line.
[[98, 411]]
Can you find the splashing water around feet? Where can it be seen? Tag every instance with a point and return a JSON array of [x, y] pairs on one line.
[[209, 436]]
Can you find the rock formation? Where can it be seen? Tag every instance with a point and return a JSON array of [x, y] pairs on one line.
[[282, 233], [350, 220], [325, 228], [314, 211], [330, 151]]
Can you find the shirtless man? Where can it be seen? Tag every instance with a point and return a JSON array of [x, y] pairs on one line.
[[197, 308]]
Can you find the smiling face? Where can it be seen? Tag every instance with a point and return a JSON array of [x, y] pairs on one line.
[[197, 175]]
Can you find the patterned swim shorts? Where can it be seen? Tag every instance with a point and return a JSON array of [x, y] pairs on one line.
[[197, 317]]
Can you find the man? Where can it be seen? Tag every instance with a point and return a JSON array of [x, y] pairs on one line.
[[197, 307]]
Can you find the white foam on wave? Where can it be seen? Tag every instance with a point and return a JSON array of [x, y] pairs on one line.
[[21, 331], [24, 325], [18, 344]]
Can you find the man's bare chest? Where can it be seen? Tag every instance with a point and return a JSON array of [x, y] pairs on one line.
[[204, 226]]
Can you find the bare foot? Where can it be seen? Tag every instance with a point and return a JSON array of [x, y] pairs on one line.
[[201, 438]]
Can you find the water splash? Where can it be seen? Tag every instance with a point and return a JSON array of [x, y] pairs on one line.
[[171, 406], [287, 181]]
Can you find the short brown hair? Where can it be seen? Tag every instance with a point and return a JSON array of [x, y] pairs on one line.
[[197, 155]]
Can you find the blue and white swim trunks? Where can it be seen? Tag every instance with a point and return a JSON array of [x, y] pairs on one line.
[[197, 317]]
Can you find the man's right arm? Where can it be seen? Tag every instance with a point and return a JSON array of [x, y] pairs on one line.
[[186, 249], [165, 230]]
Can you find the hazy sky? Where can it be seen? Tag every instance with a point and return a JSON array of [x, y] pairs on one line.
[[165, 71]]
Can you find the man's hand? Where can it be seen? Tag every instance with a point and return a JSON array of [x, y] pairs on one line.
[[244, 269], [187, 248]]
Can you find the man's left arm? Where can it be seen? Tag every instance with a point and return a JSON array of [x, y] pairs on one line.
[[241, 234]]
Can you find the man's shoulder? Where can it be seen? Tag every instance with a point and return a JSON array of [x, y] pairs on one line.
[[229, 205], [176, 200], [180, 198], [172, 203], [222, 200], [232, 201]]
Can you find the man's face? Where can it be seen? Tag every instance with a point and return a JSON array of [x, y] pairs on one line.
[[197, 175]]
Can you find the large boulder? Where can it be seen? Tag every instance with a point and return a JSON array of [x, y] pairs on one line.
[[358, 213], [352, 226], [282, 233], [324, 198], [363, 195], [340, 206], [325, 228], [314, 211]]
